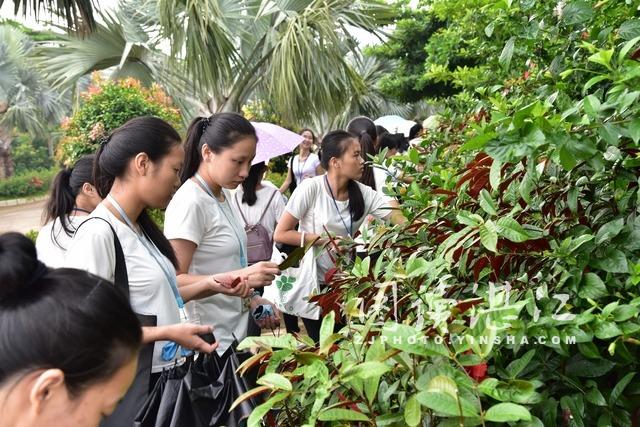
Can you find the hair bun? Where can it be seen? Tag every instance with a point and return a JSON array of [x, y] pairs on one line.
[[19, 265]]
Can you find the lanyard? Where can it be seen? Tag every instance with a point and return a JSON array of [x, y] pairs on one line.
[[155, 254], [350, 229], [301, 169], [232, 224]]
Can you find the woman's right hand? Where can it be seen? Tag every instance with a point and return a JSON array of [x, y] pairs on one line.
[[223, 284], [262, 274], [187, 335]]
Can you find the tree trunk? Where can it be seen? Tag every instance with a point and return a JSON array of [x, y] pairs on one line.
[[6, 162]]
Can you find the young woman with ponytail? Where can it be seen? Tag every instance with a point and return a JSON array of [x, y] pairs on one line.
[[206, 234], [73, 197], [336, 201], [137, 167], [364, 129], [305, 164]]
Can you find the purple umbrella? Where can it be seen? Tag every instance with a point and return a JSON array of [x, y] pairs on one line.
[[274, 141]]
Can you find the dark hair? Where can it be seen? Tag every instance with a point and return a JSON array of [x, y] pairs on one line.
[[251, 182], [64, 190], [219, 132], [63, 319], [364, 129], [381, 130], [334, 144], [391, 141], [313, 135], [150, 135], [415, 130]]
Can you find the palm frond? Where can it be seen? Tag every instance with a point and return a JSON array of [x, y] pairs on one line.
[[77, 13]]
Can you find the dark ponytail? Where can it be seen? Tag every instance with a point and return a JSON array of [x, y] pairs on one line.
[[335, 144], [150, 135], [66, 187], [219, 132], [96, 331], [364, 129], [251, 182]]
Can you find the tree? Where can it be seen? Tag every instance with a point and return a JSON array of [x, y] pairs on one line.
[[27, 102], [292, 53], [77, 13]]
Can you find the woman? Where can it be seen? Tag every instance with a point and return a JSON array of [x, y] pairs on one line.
[[303, 165], [364, 129], [206, 235], [69, 342], [336, 201], [73, 197], [137, 168], [258, 202]]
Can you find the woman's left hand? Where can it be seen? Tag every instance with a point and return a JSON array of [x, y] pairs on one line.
[[270, 322]]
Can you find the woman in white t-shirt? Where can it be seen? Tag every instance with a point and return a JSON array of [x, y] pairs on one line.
[[207, 236], [72, 198], [335, 201], [305, 164], [137, 168]]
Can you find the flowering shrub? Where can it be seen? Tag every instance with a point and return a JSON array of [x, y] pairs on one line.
[[106, 105]]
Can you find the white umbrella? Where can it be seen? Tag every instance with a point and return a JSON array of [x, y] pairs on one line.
[[395, 124]]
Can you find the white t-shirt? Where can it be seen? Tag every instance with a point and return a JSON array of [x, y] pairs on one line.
[[53, 241], [252, 213], [92, 249], [312, 204], [306, 168], [195, 216]]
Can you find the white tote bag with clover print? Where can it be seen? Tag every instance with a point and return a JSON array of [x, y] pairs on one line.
[[290, 291]]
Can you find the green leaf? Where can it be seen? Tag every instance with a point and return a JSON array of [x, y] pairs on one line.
[[609, 230], [488, 30], [602, 57], [627, 47], [572, 199], [634, 130], [578, 366], [594, 396], [507, 53], [515, 367], [340, 414], [478, 141], [445, 404], [275, 381], [505, 412], [487, 204], [489, 235], [612, 260], [510, 229], [326, 330], [412, 412], [443, 384], [630, 29], [606, 330], [593, 81], [619, 388], [577, 12], [625, 312], [494, 174], [592, 287], [365, 370], [592, 106]]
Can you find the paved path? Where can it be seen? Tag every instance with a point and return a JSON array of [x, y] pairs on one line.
[[21, 218]]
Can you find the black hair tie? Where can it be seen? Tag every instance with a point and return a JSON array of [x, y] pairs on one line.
[[104, 140], [205, 123]]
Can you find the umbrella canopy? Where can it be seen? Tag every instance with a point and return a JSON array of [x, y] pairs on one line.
[[274, 141], [395, 124]]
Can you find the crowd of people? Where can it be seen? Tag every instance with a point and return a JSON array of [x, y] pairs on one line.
[[197, 275]]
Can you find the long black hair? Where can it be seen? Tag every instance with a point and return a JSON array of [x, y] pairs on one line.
[[364, 129], [64, 190], [335, 144], [251, 182], [63, 319], [150, 135], [219, 132]]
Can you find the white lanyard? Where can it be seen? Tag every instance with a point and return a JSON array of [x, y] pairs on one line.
[[202, 183], [155, 254]]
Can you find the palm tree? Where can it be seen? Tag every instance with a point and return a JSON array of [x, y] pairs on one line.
[[27, 102], [293, 53], [77, 13]]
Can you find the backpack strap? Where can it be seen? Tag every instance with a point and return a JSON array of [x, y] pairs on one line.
[[121, 278], [267, 207], [235, 197]]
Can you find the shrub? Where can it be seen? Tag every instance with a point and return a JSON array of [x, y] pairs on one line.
[[30, 154], [27, 183], [107, 105]]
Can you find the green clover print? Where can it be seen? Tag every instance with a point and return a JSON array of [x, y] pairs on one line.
[[285, 283]]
